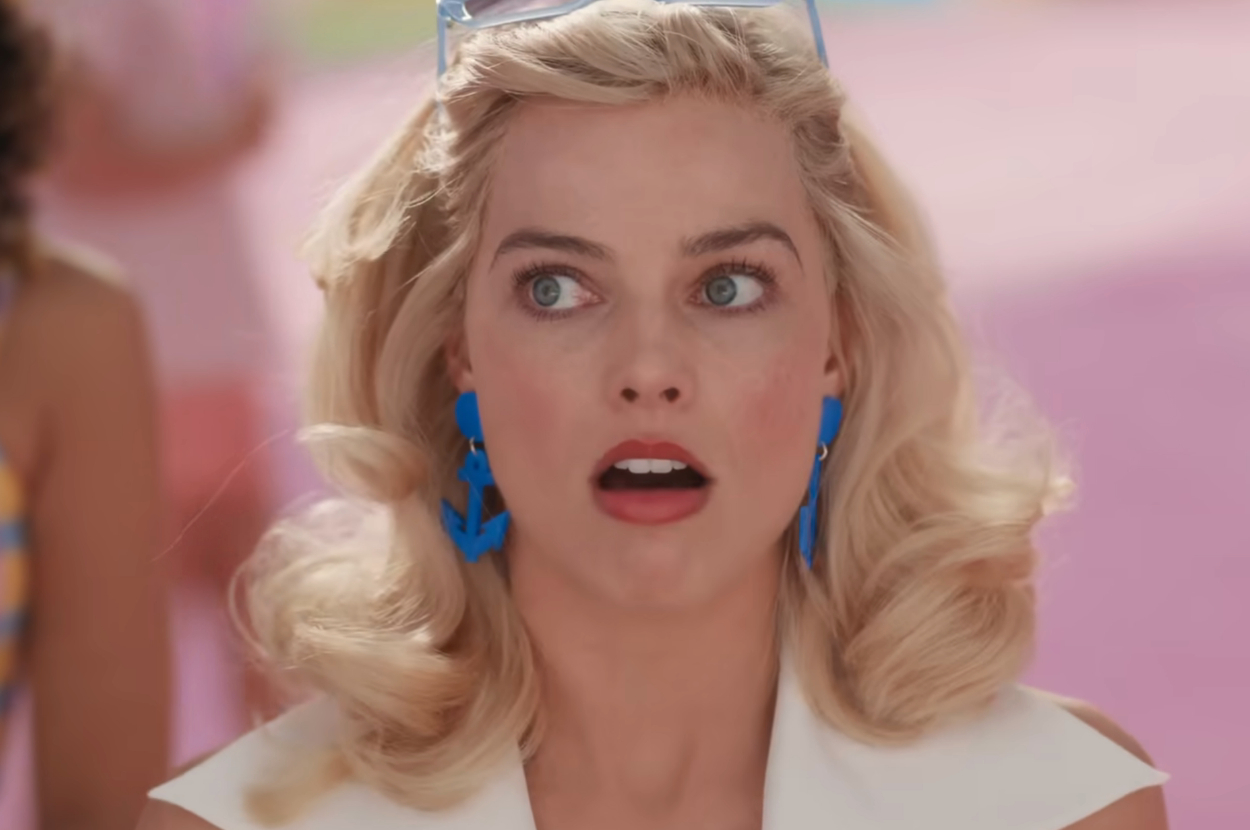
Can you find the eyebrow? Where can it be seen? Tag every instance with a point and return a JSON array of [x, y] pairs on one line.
[[712, 242], [535, 238], [726, 238]]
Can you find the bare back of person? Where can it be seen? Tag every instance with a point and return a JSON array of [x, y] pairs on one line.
[[77, 424]]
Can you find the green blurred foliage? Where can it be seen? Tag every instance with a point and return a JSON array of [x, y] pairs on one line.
[[337, 32]]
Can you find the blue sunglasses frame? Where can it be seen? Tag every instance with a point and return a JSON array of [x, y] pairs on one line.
[[455, 11]]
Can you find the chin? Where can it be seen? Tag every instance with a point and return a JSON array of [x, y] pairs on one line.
[[661, 575]]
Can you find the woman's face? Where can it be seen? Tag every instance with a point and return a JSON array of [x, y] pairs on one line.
[[648, 293]]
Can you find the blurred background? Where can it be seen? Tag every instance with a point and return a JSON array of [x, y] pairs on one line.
[[1085, 167]]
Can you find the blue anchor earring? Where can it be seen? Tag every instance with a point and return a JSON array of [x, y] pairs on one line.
[[471, 535], [830, 422]]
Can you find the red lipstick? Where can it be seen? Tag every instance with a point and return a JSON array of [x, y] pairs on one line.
[[650, 506], [649, 449]]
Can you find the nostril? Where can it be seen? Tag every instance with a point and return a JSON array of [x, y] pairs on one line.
[[669, 395]]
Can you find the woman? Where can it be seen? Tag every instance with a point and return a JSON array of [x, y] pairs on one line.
[[641, 262], [164, 100], [82, 604]]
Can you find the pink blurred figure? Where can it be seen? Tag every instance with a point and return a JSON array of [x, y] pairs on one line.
[[165, 100]]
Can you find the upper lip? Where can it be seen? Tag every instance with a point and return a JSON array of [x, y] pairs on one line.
[[659, 450]]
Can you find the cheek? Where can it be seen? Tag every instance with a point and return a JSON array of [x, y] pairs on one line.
[[780, 415], [528, 395], [777, 421]]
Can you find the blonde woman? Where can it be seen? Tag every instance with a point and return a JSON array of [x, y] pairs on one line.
[[725, 547]]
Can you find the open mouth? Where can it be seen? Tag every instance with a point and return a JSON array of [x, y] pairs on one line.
[[651, 474], [650, 483]]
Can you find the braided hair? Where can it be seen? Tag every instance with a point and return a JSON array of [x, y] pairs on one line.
[[26, 123]]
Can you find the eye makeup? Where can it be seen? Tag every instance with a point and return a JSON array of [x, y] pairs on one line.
[[538, 289], [762, 275], [541, 275]]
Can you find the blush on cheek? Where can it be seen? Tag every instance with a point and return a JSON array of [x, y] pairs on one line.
[[787, 401], [780, 422], [524, 406], [527, 426]]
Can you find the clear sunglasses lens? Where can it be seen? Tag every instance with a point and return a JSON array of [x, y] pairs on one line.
[[485, 10]]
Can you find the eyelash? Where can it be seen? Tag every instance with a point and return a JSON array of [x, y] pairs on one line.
[[523, 278], [743, 268]]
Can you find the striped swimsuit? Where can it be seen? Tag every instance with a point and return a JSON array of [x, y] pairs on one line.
[[13, 583], [14, 565]]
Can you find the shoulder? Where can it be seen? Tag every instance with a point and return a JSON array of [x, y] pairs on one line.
[[1024, 761], [227, 791], [77, 285], [1141, 810], [76, 317], [1094, 717], [161, 816], [74, 329], [73, 305], [219, 791], [1132, 798]]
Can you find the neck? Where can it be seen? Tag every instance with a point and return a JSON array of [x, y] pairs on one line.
[[651, 710]]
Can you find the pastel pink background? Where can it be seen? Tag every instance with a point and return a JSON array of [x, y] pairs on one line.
[[1087, 171]]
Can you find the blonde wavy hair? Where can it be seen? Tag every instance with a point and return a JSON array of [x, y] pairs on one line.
[[920, 606]]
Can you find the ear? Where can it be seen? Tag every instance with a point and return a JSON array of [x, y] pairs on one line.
[[459, 368], [835, 378], [837, 357]]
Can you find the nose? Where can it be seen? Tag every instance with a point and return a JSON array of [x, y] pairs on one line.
[[652, 366]]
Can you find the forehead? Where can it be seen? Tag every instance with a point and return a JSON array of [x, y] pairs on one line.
[[680, 164]]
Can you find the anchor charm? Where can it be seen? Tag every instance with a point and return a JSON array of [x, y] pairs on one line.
[[470, 534]]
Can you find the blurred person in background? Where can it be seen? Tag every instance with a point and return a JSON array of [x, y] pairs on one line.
[[82, 601], [164, 100], [729, 545]]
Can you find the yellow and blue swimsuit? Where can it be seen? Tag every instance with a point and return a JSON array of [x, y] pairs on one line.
[[14, 583]]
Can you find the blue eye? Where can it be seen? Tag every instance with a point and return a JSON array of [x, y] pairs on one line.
[[554, 292], [733, 290]]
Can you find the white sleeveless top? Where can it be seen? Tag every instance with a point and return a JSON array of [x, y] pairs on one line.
[[1027, 764]]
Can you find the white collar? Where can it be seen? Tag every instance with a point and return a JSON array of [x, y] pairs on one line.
[[1025, 764]]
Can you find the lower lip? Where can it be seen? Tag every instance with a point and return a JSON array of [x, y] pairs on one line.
[[652, 507]]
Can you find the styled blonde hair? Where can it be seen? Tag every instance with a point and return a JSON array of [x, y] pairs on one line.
[[920, 605]]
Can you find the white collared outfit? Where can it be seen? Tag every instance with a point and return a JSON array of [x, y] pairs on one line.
[[1027, 764]]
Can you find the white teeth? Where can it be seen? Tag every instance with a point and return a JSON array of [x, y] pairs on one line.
[[639, 466]]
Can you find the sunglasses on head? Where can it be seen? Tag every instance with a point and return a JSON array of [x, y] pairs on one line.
[[483, 14]]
